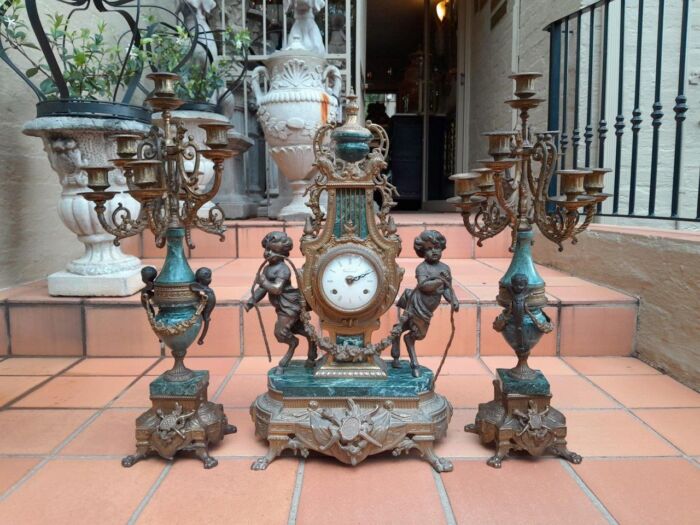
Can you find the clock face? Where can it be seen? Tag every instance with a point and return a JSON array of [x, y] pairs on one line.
[[350, 281]]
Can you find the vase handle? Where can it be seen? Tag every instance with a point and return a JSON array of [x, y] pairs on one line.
[[255, 81], [332, 81]]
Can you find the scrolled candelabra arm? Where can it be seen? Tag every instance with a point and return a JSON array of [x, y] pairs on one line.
[[589, 212], [485, 221], [506, 206], [152, 147], [558, 225], [213, 223], [122, 225], [157, 221]]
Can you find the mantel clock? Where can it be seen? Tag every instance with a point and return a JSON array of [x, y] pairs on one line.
[[350, 276], [349, 404]]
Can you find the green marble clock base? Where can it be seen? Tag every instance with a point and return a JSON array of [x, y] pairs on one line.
[[520, 417], [351, 418], [181, 419]]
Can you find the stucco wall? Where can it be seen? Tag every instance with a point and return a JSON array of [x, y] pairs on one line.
[[520, 32], [33, 240], [659, 267]]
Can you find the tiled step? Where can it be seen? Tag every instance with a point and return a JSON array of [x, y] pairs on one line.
[[590, 320], [243, 238]]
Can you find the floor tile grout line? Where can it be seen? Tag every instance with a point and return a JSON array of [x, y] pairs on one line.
[[597, 503], [634, 416], [444, 499], [50, 377], [149, 495], [239, 457], [226, 380], [53, 454], [8, 329], [296, 494]]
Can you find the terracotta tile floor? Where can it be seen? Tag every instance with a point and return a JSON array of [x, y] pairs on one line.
[[67, 422]]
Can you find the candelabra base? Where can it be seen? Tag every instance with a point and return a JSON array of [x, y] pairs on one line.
[[118, 284], [520, 418], [181, 419], [351, 419]]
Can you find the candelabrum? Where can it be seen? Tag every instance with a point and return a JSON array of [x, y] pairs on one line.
[[513, 190], [178, 302]]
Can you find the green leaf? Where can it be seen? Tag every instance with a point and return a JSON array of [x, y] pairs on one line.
[[31, 72]]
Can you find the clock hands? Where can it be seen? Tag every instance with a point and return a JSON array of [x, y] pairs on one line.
[[350, 279]]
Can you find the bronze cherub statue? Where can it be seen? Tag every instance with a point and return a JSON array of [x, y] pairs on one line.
[[148, 276], [201, 286], [521, 326], [434, 281], [276, 280]]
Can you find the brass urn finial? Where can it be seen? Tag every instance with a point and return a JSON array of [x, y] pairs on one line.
[[352, 138]]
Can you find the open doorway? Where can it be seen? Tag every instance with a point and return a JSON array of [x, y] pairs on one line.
[[411, 88]]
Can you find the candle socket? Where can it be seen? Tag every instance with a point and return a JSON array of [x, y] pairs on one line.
[[146, 173], [127, 145], [525, 84], [217, 137], [164, 83], [98, 177], [572, 182], [500, 143], [594, 181], [465, 183]]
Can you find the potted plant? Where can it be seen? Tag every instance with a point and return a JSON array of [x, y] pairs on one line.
[[77, 74], [211, 65]]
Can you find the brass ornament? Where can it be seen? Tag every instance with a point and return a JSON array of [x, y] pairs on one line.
[[178, 301], [352, 429], [349, 404], [513, 190]]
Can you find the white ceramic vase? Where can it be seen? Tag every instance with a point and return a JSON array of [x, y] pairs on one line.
[[302, 95], [72, 143]]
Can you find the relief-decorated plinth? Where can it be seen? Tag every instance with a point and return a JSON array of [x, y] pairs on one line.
[[521, 418], [351, 418], [181, 419]]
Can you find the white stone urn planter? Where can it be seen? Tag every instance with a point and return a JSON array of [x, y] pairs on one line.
[[72, 143], [301, 97]]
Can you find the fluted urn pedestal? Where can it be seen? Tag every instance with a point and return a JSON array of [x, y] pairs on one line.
[[73, 143], [301, 97]]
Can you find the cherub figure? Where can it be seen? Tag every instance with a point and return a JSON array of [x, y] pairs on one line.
[[304, 32], [434, 282], [148, 276], [516, 313], [276, 280], [201, 286]]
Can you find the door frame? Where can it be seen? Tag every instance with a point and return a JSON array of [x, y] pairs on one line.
[[463, 96]]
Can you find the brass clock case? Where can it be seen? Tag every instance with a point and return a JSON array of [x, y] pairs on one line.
[[376, 264]]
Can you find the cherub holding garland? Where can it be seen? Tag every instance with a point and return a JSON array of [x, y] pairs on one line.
[[276, 280], [434, 281]]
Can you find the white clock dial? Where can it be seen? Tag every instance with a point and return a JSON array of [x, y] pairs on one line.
[[349, 281]]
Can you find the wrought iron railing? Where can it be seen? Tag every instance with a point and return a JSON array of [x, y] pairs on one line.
[[610, 63]]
